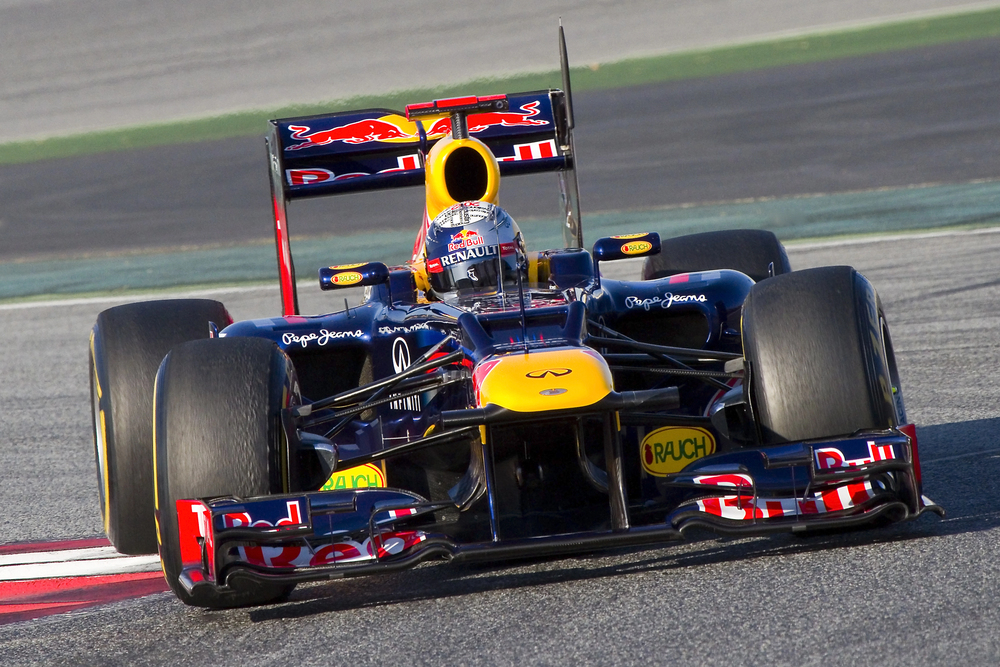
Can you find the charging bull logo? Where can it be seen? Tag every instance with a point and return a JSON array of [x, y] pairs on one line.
[[479, 122], [466, 238], [394, 128], [359, 132]]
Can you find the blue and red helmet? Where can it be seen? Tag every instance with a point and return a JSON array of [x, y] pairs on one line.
[[473, 249]]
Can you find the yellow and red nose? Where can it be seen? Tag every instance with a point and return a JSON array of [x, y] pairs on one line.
[[553, 379]]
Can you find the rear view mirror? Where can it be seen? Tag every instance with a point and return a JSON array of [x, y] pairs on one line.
[[625, 246], [353, 275]]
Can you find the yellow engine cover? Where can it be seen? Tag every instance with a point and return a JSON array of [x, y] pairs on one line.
[[552, 379], [436, 175]]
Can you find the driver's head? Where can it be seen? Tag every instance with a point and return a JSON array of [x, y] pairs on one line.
[[472, 248]]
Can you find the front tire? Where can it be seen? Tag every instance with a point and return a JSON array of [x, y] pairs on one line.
[[749, 251], [819, 361], [126, 347], [218, 433]]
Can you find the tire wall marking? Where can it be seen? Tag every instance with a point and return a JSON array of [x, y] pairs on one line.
[[107, 483], [102, 443], [156, 490]]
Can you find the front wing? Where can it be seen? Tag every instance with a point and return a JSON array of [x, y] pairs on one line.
[[335, 534]]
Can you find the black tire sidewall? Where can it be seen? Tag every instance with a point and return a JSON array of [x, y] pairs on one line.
[[128, 344], [218, 434], [816, 365], [749, 251]]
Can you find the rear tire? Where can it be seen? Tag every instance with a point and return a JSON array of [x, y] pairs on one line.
[[218, 433], [819, 360], [748, 251], [127, 345]]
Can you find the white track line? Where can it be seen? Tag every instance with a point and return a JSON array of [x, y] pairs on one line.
[[140, 296], [80, 568], [214, 291], [58, 556], [882, 238], [73, 563]]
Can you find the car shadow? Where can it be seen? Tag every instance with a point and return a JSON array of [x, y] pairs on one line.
[[960, 462], [961, 466]]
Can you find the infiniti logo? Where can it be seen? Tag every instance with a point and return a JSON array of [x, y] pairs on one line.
[[400, 355], [555, 372], [400, 361]]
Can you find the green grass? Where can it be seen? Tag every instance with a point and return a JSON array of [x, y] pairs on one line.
[[883, 211], [636, 71]]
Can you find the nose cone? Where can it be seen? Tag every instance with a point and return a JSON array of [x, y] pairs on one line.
[[553, 379]]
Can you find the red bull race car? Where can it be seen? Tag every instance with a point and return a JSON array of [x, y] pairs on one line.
[[487, 401]]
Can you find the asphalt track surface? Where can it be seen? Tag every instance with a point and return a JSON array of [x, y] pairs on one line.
[[919, 593], [78, 65], [919, 116], [922, 593]]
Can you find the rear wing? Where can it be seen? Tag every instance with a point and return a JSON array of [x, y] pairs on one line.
[[379, 148], [376, 149]]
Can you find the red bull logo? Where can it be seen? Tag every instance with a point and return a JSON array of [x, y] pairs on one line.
[[466, 238], [439, 128], [481, 121], [395, 129], [358, 132], [478, 122]]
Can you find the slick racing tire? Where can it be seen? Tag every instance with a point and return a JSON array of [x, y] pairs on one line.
[[748, 251], [218, 433], [819, 360], [126, 347]]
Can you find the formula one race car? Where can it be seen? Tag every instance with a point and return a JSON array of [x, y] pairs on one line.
[[487, 402]]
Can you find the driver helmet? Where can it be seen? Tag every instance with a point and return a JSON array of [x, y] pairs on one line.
[[473, 248]]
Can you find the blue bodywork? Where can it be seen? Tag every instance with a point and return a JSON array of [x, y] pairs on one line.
[[734, 487]]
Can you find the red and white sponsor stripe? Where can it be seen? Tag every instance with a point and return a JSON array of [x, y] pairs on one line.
[[533, 151], [831, 457], [346, 551], [742, 508], [404, 163], [881, 452], [42, 579]]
